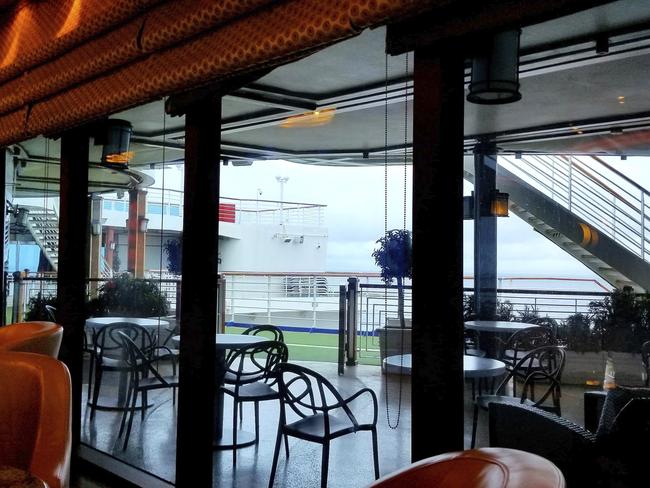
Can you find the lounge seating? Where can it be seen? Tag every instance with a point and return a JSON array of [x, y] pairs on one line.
[[477, 468], [35, 412], [37, 337], [609, 458]]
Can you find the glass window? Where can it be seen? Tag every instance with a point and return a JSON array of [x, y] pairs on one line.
[[108, 205], [155, 208]]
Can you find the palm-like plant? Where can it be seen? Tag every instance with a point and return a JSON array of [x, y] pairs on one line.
[[395, 259]]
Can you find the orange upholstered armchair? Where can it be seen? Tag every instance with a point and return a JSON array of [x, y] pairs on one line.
[[35, 411], [477, 468], [39, 337]]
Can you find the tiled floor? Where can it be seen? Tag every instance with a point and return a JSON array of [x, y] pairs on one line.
[[153, 442]]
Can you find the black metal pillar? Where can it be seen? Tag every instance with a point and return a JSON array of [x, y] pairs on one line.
[[485, 230], [437, 388], [3, 198], [71, 278], [199, 294]]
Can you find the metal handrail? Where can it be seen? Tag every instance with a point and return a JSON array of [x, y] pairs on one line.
[[592, 190]]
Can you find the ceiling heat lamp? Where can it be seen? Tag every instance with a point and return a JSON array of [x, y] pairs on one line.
[[115, 137], [495, 70]]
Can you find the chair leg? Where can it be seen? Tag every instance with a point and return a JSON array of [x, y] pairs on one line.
[[91, 366], [276, 454], [127, 404], [173, 395], [234, 432], [241, 414], [134, 400], [375, 452], [286, 445], [474, 425], [257, 421], [96, 387], [144, 403], [325, 464]]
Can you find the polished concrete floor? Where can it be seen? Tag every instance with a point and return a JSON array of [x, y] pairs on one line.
[[152, 446]]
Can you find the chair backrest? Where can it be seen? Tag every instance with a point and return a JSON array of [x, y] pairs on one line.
[[266, 330], [525, 340], [137, 359], [645, 359], [51, 312], [258, 362], [37, 337], [35, 416], [541, 366], [306, 393], [108, 340]]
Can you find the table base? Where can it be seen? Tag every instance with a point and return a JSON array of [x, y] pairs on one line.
[[244, 439]]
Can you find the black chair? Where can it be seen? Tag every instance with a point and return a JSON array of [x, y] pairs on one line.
[[314, 401], [521, 343], [610, 458], [140, 383], [266, 330], [542, 366], [110, 354], [249, 377], [645, 359]]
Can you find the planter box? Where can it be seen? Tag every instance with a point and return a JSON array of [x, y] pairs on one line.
[[583, 366]]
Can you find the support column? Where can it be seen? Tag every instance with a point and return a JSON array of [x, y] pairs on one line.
[[3, 198], [73, 219], [485, 230], [95, 246], [199, 293], [137, 238], [111, 246], [437, 376]]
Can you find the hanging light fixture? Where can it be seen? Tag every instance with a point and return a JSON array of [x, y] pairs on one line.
[[115, 136], [495, 70], [499, 204]]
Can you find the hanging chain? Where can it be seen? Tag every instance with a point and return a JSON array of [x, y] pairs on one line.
[[401, 365]]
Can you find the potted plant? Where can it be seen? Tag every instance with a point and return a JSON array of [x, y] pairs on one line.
[[173, 249], [36, 310], [395, 259], [129, 297]]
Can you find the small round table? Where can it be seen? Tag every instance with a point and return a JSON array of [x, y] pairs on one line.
[[95, 324], [495, 328], [223, 438], [473, 366], [17, 478]]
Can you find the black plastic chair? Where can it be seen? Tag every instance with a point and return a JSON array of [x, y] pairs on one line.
[[645, 359], [140, 367], [542, 366], [249, 377], [266, 330], [110, 354], [315, 400]]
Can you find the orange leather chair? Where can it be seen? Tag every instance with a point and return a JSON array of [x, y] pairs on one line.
[[35, 416], [477, 468], [39, 337]]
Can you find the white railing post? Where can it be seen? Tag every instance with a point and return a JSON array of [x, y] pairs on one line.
[[314, 305], [232, 299], [642, 225], [268, 299], [570, 182]]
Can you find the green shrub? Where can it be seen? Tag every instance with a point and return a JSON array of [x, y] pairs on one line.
[[36, 307], [128, 297]]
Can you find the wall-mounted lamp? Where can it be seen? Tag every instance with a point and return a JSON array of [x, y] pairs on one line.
[[495, 70], [120, 194], [143, 224], [499, 204], [111, 246], [96, 226], [21, 214]]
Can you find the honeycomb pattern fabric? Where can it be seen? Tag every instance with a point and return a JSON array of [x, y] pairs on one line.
[[38, 31], [182, 19], [172, 46]]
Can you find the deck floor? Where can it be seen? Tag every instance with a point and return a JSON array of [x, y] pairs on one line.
[[152, 445]]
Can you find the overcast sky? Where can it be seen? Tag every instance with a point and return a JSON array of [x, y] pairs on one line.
[[355, 214]]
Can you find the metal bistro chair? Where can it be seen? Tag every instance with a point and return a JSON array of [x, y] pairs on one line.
[[315, 400], [140, 382], [110, 354], [542, 366], [267, 330], [249, 377]]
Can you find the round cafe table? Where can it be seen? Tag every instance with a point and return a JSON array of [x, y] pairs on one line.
[[95, 324], [223, 438], [473, 366], [490, 329]]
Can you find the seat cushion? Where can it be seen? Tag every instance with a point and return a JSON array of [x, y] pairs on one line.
[[253, 391], [478, 468]]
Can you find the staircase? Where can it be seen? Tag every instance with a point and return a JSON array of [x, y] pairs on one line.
[[586, 207], [43, 225]]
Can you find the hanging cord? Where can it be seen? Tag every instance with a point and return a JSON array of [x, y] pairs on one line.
[[401, 366]]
